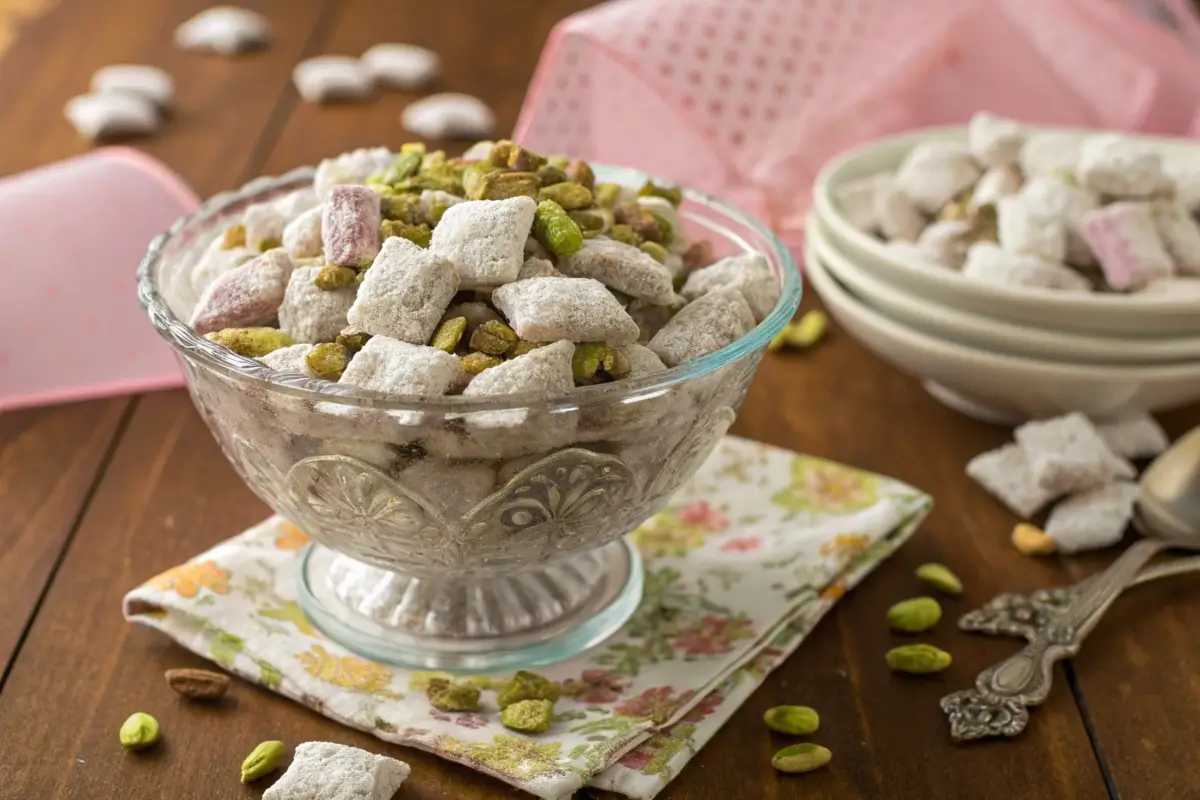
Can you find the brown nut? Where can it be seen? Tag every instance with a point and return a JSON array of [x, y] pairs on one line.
[[197, 684]]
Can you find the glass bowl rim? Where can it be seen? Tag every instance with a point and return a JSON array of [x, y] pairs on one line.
[[190, 345]]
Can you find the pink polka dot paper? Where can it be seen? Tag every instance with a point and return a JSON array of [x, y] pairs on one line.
[[746, 99], [70, 324]]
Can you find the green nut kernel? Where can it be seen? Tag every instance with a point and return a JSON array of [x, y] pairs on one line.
[[527, 716], [625, 235], [503, 185], [404, 207], [263, 245], [917, 659], [586, 361], [940, 577], [570, 195], [139, 731], [524, 160], [437, 210], [801, 758], [235, 236], [475, 363], [590, 219], [549, 175], [581, 172], [353, 340], [407, 164], [655, 251], [328, 360], [559, 162], [671, 193], [664, 228], [449, 333], [607, 194], [644, 223], [915, 615], [500, 153], [447, 695], [332, 277], [251, 342], [521, 348], [420, 235], [433, 162], [615, 364], [557, 232], [413, 147], [262, 761], [485, 683], [493, 337], [527, 685], [792, 720]]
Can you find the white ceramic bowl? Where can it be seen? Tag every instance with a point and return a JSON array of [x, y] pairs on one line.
[[997, 336], [1106, 314], [1001, 388]]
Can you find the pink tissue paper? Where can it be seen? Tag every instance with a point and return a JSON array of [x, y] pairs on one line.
[[747, 99], [70, 324]]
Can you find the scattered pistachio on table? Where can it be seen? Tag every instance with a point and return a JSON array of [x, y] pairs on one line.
[[803, 757], [139, 731], [915, 615], [262, 761], [917, 659], [528, 716], [792, 720], [940, 577], [802, 333], [527, 686], [1030, 540], [446, 695]]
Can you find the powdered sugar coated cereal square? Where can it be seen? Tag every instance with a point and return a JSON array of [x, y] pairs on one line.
[[401, 66], [1026, 229], [1127, 244], [266, 222], [399, 368], [622, 267], [244, 296], [1051, 154], [856, 199], [302, 236], [325, 79], [934, 173], [703, 326], [1180, 234], [312, 314], [994, 141], [1066, 454], [404, 292], [353, 167], [1118, 166], [1053, 198], [897, 215], [1093, 519], [327, 771], [535, 267], [946, 242], [545, 372], [471, 483], [290, 359], [1134, 437], [571, 309], [990, 264], [997, 182], [216, 261], [750, 274], [1006, 475], [485, 239]]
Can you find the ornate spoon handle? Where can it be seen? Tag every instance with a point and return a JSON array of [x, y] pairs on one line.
[[998, 705]]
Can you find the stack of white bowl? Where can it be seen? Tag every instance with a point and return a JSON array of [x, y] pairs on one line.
[[998, 353]]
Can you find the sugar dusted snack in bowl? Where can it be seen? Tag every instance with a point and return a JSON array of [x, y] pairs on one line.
[[466, 379]]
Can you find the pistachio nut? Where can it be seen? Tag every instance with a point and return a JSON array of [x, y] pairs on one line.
[[556, 231], [1030, 540], [500, 153], [445, 695], [527, 685], [581, 172], [607, 194], [521, 348], [642, 221], [449, 333], [475, 363], [589, 219], [263, 245], [548, 175], [915, 615], [328, 360], [569, 194], [615, 363], [524, 160], [333, 277], [420, 235], [353, 340], [586, 361], [407, 164], [262, 761], [251, 342], [528, 716], [673, 194], [940, 577], [655, 251], [139, 731], [402, 206], [804, 757], [493, 337], [624, 234], [413, 147], [503, 185], [235, 236], [792, 720], [917, 659]]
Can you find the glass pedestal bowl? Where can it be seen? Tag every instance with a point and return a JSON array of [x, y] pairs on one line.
[[467, 534]]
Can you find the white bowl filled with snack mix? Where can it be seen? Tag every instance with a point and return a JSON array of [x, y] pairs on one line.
[[466, 379], [1054, 229]]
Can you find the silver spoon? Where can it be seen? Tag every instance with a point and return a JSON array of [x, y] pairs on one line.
[[1168, 514]]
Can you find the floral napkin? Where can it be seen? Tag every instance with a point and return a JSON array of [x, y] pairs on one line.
[[750, 554]]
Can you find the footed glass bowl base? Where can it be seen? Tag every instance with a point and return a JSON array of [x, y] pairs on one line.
[[489, 623]]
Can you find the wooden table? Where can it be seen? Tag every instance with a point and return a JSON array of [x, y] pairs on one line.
[[96, 497]]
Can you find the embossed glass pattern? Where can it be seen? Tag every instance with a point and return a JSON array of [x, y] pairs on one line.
[[462, 533]]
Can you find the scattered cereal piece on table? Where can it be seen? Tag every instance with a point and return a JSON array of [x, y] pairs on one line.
[[934, 173], [1066, 454], [401, 66], [898, 217], [1093, 519], [449, 116], [352, 167], [225, 30], [856, 199], [150, 83], [989, 263], [111, 115], [1180, 234], [350, 226], [1127, 244], [1006, 475], [311, 314], [1030, 540], [404, 293], [703, 326], [485, 240], [245, 296], [327, 79], [1026, 229], [994, 141], [620, 267], [1115, 165], [1134, 437], [302, 236], [750, 274], [336, 772]]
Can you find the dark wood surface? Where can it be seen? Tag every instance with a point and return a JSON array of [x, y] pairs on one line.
[[96, 497]]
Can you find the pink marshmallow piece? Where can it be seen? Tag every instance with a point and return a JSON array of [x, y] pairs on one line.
[[244, 296], [350, 226], [1125, 240]]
